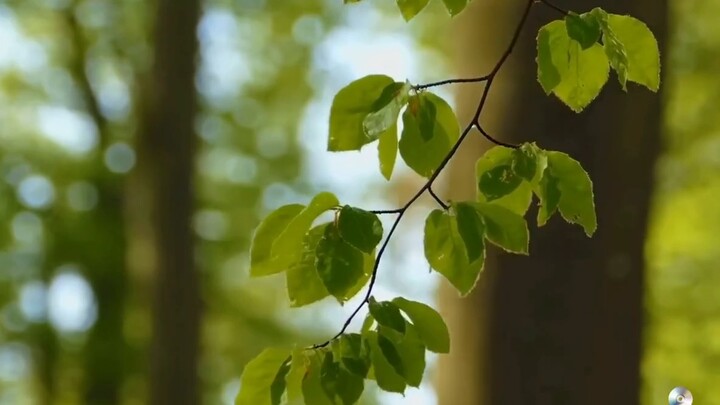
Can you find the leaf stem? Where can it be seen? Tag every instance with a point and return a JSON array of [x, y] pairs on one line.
[[438, 199], [474, 122]]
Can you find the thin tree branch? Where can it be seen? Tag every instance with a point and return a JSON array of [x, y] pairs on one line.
[[452, 81], [492, 139], [474, 122], [554, 7], [438, 199], [395, 211]]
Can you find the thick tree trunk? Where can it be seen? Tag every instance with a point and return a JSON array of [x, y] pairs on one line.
[[165, 197], [563, 326]]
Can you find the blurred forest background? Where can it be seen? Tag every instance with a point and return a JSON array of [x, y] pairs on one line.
[[141, 142]]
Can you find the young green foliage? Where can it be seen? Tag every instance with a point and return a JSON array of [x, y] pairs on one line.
[[338, 258]]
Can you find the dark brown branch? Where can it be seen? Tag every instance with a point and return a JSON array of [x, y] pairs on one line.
[[452, 81]]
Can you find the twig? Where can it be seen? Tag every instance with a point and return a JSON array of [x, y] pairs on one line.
[[554, 7], [452, 81], [438, 199], [475, 122], [395, 211], [493, 140]]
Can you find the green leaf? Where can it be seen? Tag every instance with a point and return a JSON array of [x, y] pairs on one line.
[[471, 229], [390, 351], [312, 389], [454, 7], [549, 195], [426, 114], [268, 230], [614, 48], [411, 8], [584, 28], [504, 228], [641, 47], [387, 314], [428, 324], [386, 109], [529, 162], [295, 376], [411, 352], [338, 383], [360, 228], [387, 151], [574, 75], [516, 199], [423, 156], [367, 324], [304, 284], [385, 375], [339, 265], [277, 389], [348, 111], [576, 202], [288, 247], [259, 375], [445, 251], [353, 354]]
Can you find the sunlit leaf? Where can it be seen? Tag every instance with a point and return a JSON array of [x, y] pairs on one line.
[[445, 251], [385, 110], [387, 314], [410, 8], [454, 7], [641, 47], [304, 284], [614, 48], [387, 151], [428, 324], [504, 228], [573, 74], [348, 111], [423, 156], [270, 228], [359, 228], [575, 202], [288, 247], [259, 375], [279, 384], [295, 376]]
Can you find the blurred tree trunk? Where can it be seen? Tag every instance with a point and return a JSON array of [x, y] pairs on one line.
[[164, 200], [564, 325]]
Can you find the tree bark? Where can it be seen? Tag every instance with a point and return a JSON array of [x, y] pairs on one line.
[[564, 325], [164, 175]]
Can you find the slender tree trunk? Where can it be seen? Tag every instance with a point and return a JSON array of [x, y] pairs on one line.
[[563, 326], [164, 174]]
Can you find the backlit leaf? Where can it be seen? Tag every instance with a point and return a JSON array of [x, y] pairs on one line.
[[410, 8], [385, 375], [423, 156], [258, 376], [641, 47], [583, 28], [428, 324], [454, 7], [348, 111], [504, 228], [385, 110], [304, 284], [287, 248], [387, 151], [270, 228], [471, 229], [573, 74], [445, 251]]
